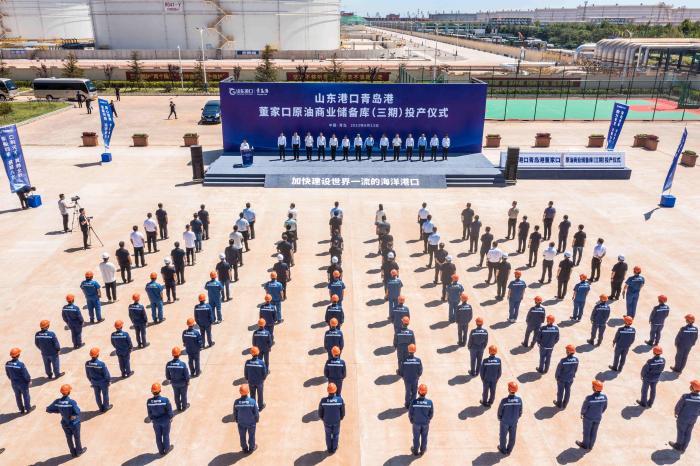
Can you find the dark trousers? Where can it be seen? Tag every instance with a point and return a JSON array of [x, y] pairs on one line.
[[445, 150], [683, 432], [346, 152], [151, 238], [163, 230], [465, 230], [420, 437], [252, 230], [482, 254], [409, 153], [522, 243], [124, 364], [600, 330], [432, 248], [65, 217], [281, 151], [511, 227], [547, 233], [140, 331], [507, 433], [655, 334], [488, 393], [358, 152], [246, 236], [111, 289], [563, 393], [226, 291], [125, 272], [309, 152], [433, 152], [295, 151], [578, 253], [615, 289], [595, 269], [369, 152], [383, 150], [170, 291], [590, 432], [190, 255], [193, 363], [52, 365], [578, 310], [473, 243], [180, 397], [492, 270], [162, 437], [411, 389], [534, 330], [681, 358], [76, 334], [562, 285], [462, 334], [501, 286], [397, 152], [180, 273], [475, 357], [72, 437], [139, 257], [22, 397], [332, 436], [545, 358], [513, 308], [334, 149], [86, 241], [547, 270], [532, 258], [206, 334], [101, 396], [247, 437], [561, 243], [620, 357], [256, 393], [421, 152], [321, 152]]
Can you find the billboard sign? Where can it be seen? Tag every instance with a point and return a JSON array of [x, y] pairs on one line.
[[172, 6], [259, 112]]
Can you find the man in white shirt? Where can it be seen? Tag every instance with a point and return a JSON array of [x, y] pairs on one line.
[[512, 220], [548, 262], [383, 145], [493, 259], [138, 241], [245, 146], [423, 214], [309, 143], [369, 146], [358, 147], [333, 143], [109, 277], [445, 146], [396, 142], [237, 239], [433, 243], [379, 214], [282, 145], [189, 238], [599, 252], [434, 143], [422, 144], [346, 147], [151, 228], [63, 207], [336, 210], [296, 142], [321, 147], [244, 229], [249, 215], [409, 147], [293, 210]]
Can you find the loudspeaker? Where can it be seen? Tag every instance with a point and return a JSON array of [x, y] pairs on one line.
[[513, 155], [197, 162]]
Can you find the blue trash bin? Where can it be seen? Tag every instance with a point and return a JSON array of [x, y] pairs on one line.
[[34, 201], [106, 157], [247, 156], [667, 200]]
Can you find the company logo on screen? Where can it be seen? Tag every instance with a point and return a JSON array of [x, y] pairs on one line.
[[245, 92]]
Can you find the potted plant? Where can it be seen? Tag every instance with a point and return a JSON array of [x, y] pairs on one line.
[[652, 142], [640, 140], [688, 158], [140, 139], [493, 140], [543, 139], [89, 139], [191, 139], [596, 140]]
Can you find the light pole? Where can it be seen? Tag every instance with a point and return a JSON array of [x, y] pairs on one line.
[[179, 59], [204, 63]]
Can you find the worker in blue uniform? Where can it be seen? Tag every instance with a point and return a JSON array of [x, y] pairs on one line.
[[262, 339], [204, 316], [336, 286], [268, 312], [19, 379], [98, 375], [453, 290], [73, 317], [399, 312], [155, 295], [276, 290], [687, 410], [630, 293], [478, 340], [214, 289], [651, 372], [331, 410], [70, 420], [490, 373], [564, 375], [333, 337], [534, 320], [411, 370], [121, 341], [592, 411], [91, 290], [547, 338], [599, 320], [334, 311], [335, 370], [246, 414], [402, 339], [48, 345], [685, 340], [179, 376], [139, 319], [393, 289], [657, 318], [255, 373], [516, 292], [463, 316], [509, 411], [624, 337], [193, 342], [160, 412], [420, 413], [581, 290]]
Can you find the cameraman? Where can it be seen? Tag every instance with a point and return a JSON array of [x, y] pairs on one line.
[[84, 222], [63, 207]]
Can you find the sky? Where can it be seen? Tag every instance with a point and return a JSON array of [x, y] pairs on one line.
[[362, 7]]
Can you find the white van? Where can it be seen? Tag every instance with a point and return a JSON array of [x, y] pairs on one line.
[[8, 89], [63, 88]]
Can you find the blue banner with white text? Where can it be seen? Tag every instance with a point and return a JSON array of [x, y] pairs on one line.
[[668, 182], [107, 120], [13, 158], [619, 115], [259, 112]]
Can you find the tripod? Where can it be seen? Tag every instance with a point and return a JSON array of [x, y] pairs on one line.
[[91, 230]]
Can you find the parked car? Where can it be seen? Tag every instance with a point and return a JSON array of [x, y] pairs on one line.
[[211, 113]]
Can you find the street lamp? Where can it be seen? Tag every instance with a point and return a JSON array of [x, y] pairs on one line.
[[204, 63], [179, 59]]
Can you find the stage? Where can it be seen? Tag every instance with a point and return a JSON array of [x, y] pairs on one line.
[[271, 172]]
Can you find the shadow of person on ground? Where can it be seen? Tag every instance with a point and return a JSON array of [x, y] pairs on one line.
[[571, 455], [667, 456], [391, 413], [227, 459]]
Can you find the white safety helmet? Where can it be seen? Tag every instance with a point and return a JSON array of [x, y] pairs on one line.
[[504, 256], [334, 260], [390, 255], [620, 257], [448, 258], [567, 254], [222, 256], [105, 255], [166, 260], [280, 257]]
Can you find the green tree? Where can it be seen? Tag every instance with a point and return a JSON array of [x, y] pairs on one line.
[[237, 73], [71, 69], [108, 71], [135, 70], [4, 70], [334, 72], [266, 71], [198, 75]]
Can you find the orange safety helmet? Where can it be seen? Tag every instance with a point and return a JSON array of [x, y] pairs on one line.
[[583, 277], [401, 299], [212, 274], [603, 298], [517, 273], [657, 350], [65, 389], [637, 269], [422, 389], [334, 298], [202, 297], [455, 277], [14, 352], [538, 299], [273, 275], [394, 273], [493, 349], [70, 298], [336, 274], [479, 321], [176, 352], [412, 348], [94, 352], [254, 350], [244, 390], [335, 351], [464, 297], [695, 385], [118, 324], [690, 318], [89, 274], [135, 296], [628, 320], [190, 322], [268, 298], [155, 388], [331, 388], [570, 349], [333, 322], [261, 322], [153, 275], [405, 320], [512, 387], [597, 385], [662, 298], [550, 319], [44, 324]]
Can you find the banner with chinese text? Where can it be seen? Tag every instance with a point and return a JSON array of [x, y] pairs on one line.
[[13, 158]]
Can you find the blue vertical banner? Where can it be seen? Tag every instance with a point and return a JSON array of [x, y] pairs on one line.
[[619, 115], [672, 169], [13, 158], [107, 120]]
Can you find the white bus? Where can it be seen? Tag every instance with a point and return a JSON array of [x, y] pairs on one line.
[[8, 89], [63, 88]]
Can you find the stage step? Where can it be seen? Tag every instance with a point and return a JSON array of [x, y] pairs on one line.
[[466, 181], [231, 179]]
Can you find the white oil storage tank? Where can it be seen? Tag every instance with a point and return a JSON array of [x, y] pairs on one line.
[[45, 20], [226, 24]]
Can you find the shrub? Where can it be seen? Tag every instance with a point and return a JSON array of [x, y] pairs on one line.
[[191, 135], [5, 108]]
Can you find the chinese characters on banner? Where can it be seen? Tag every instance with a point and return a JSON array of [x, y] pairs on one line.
[[13, 158], [107, 120], [383, 181], [619, 115]]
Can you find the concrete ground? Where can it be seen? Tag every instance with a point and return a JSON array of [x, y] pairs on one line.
[[42, 265]]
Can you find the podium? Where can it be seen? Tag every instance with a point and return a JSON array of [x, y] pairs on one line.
[[247, 156]]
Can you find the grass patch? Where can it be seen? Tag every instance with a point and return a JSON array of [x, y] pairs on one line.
[[16, 112]]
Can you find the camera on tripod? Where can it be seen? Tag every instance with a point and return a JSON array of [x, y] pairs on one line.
[[75, 198]]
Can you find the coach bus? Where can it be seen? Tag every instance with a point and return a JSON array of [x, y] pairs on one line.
[[8, 89], [64, 88]]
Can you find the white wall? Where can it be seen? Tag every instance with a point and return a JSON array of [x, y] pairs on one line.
[[46, 19]]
